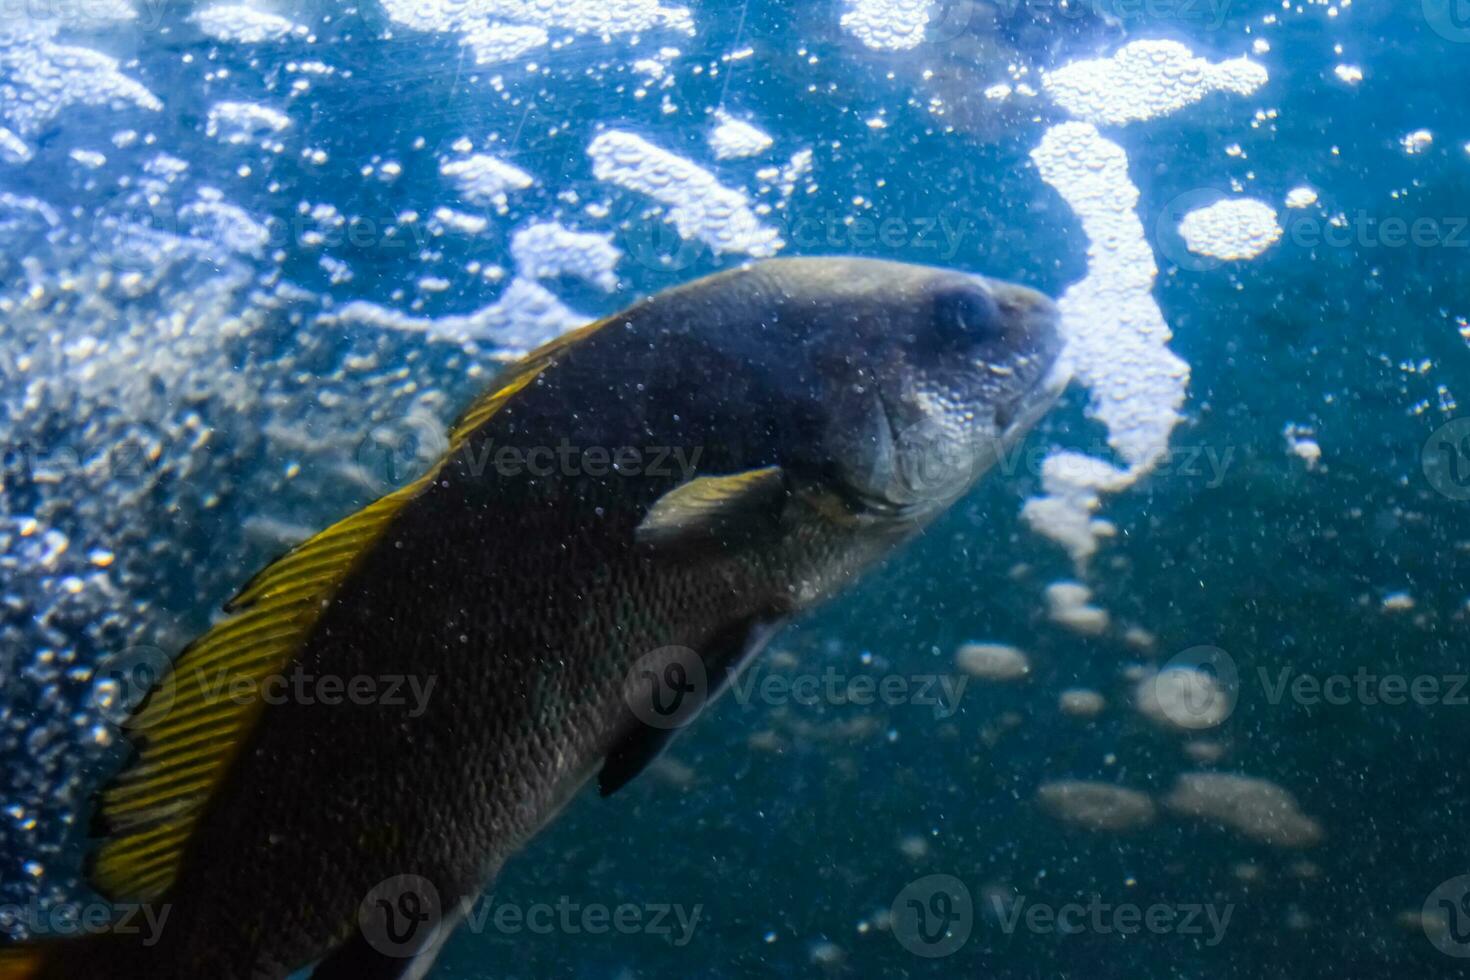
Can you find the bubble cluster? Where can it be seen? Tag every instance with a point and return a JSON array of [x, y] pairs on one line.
[[525, 315], [496, 24], [546, 249], [246, 25], [1256, 808], [485, 180], [733, 139], [43, 79], [1232, 229], [1145, 80], [1117, 340], [888, 25], [1096, 806], [238, 123], [699, 206]]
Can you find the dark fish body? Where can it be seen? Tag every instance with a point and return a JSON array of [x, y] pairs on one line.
[[684, 476]]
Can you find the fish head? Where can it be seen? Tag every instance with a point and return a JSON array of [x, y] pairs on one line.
[[954, 369]]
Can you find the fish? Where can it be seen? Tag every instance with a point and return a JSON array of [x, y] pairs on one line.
[[617, 527]]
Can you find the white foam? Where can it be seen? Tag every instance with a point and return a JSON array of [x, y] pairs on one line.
[[699, 205], [13, 149], [1301, 197], [1096, 805], [524, 316], [496, 42], [1256, 808], [485, 180], [547, 248], [1232, 229], [888, 25], [733, 139], [43, 79], [1145, 80], [602, 18], [246, 25], [992, 661], [216, 220], [244, 122], [1069, 605], [1116, 339]]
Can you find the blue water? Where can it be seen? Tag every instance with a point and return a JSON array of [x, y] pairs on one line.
[[791, 829]]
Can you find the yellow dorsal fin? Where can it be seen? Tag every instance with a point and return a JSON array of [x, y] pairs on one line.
[[194, 720]]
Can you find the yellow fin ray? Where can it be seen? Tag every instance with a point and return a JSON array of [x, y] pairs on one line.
[[194, 722]]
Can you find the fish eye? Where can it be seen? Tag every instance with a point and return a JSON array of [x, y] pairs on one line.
[[966, 315]]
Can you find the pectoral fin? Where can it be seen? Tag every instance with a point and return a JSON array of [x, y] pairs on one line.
[[709, 509], [641, 743]]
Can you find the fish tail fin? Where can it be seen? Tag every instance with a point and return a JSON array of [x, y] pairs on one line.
[[95, 957], [23, 962]]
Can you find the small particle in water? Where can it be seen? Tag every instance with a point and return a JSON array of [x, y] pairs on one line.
[[992, 661], [100, 557], [826, 954], [1080, 703], [1248, 872], [1300, 442], [1417, 142], [914, 847], [1301, 197], [1398, 602], [1349, 74], [1204, 752]]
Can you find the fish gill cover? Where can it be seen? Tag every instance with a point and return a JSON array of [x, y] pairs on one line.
[[256, 257]]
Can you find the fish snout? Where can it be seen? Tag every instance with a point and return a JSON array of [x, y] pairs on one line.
[[1031, 317]]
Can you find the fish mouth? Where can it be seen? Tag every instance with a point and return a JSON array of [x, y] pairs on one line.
[[1039, 322], [1013, 419]]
